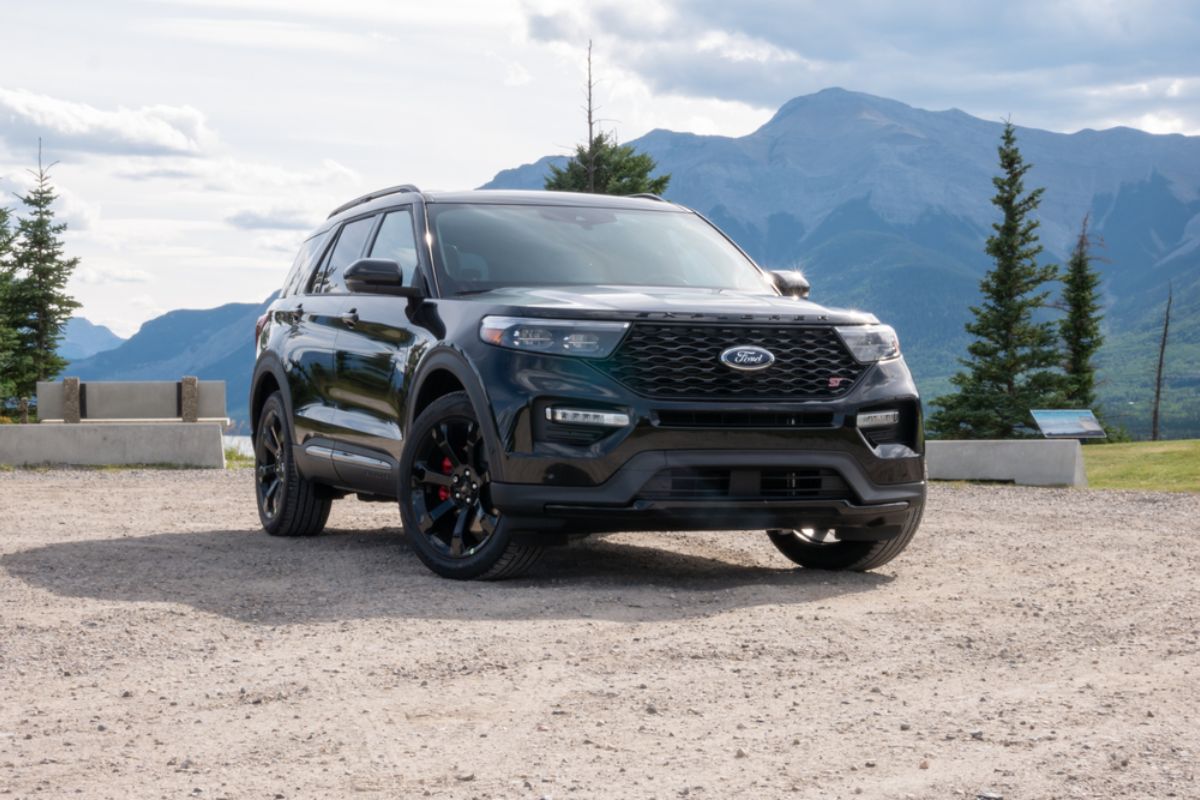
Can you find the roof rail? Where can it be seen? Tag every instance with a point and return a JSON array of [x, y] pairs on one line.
[[404, 187], [647, 196]]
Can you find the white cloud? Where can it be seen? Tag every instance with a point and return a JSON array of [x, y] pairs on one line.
[[237, 175], [67, 125], [739, 47], [70, 207], [92, 276], [516, 75], [1163, 122], [265, 33], [287, 242], [449, 12], [274, 218]]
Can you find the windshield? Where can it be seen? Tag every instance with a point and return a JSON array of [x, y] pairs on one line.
[[486, 246]]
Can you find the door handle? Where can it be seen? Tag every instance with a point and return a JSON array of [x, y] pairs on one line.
[[350, 318]]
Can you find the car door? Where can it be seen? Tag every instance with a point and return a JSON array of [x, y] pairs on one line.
[[316, 320], [374, 346]]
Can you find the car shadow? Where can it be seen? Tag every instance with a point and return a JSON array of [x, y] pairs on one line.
[[344, 575]]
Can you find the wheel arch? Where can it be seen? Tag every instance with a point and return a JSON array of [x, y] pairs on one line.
[[269, 377], [445, 371]]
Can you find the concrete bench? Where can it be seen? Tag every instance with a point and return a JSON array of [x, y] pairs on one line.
[[121, 423], [1028, 462], [187, 400]]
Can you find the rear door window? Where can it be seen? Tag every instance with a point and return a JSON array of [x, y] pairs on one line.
[[349, 248]]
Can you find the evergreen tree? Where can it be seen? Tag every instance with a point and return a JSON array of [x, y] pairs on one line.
[[1080, 328], [602, 166], [8, 333], [1010, 365], [38, 294], [607, 168]]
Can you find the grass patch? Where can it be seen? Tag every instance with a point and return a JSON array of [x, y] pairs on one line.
[[235, 460], [1172, 466]]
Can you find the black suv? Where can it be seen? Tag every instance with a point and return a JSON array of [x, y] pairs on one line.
[[521, 368]]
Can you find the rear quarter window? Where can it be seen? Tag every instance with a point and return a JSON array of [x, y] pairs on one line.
[[306, 260]]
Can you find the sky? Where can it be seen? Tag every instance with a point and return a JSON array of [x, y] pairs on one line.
[[196, 141]]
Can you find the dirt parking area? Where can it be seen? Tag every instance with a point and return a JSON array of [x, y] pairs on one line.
[[154, 643]]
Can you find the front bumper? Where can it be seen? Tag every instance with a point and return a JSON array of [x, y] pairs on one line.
[[866, 511]]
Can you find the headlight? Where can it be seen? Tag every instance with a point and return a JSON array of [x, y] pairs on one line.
[[563, 337], [869, 343]]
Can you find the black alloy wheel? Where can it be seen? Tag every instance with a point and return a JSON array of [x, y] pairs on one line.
[[288, 504], [450, 492], [446, 503], [268, 465]]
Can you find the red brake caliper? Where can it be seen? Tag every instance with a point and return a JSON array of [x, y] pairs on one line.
[[447, 468]]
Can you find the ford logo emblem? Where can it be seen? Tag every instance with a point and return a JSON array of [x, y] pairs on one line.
[[748, 357]]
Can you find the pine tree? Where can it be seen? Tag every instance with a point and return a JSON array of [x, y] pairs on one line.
[[1080, 328], [1010, 364], [602, 166], [38, 295], [614, 169], [8, 333]]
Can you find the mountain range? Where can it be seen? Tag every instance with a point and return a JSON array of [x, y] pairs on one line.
[[885, 207], [82, 338]]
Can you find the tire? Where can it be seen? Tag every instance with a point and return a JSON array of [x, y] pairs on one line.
[[445, 502], [852, 556], [288, 504]]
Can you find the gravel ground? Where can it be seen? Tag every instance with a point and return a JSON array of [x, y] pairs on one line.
[[153, 643]]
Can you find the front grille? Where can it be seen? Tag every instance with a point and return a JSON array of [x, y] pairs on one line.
[[744, 419], [746, 484], [821, 484], [682, 361], [688, 484]]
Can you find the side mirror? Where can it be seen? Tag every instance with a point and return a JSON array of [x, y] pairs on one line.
[[791, 283], [378, 276]]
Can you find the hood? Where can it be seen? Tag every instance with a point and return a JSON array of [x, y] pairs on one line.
[[630, 302]]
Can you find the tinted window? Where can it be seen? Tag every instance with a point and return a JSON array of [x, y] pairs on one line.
[[306, 259], [348, 249], [397, 242], [484, 247]]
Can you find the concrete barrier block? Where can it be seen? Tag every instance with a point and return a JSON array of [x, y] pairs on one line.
[[180, 444], [1028, 462]]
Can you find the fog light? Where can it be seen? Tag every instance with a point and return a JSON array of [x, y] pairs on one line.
[[876, 419], [582, 416]]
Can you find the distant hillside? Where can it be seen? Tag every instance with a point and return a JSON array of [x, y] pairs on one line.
[[215, 343], [82, 338], [886, 207]]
